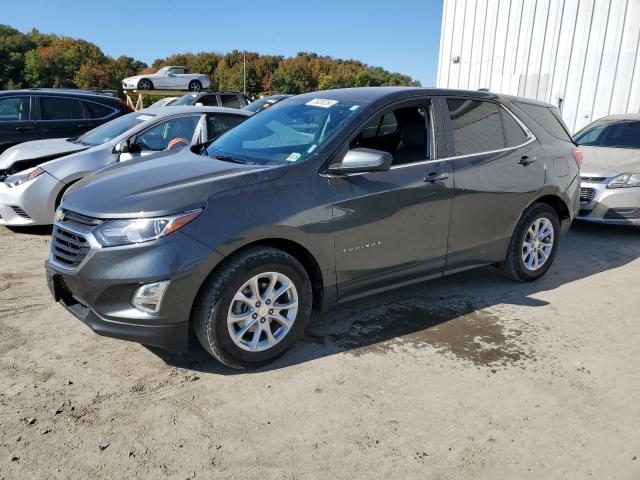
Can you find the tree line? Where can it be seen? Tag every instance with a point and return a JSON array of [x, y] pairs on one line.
[[35, 59]]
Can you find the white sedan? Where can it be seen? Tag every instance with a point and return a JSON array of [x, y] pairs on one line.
[[168, 78]]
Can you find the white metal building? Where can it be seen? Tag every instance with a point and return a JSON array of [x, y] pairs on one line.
[[579, 54]]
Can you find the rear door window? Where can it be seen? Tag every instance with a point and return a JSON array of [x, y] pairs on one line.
[[230, 101], [218, 124], [60, 109], [208, 101], [479, 126], [14, 109]]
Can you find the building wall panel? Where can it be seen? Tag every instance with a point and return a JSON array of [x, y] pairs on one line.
[[579, 54]]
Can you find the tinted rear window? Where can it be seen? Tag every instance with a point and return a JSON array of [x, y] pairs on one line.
[[230, 101], [208, 101], [480, 126], [547, 119], [98, 111], [60, 109]]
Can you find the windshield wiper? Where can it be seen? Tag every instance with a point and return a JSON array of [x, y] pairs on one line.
[[229, 158]]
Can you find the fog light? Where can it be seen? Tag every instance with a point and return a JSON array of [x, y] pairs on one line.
[[148, 298]]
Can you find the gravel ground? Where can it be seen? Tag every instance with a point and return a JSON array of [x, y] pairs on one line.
[[467, 377]]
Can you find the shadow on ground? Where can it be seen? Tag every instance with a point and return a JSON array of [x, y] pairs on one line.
[[449, 314]]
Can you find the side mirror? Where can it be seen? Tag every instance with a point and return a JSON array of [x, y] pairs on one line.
[[363, 160], [122, 147]]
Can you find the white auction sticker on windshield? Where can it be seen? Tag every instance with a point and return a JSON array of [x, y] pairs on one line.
[[322, 102], [144, 118], [293, 157]]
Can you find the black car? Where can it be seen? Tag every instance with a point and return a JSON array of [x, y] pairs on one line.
[[37, 114], [213, 99], [318, 200], [265, 102]]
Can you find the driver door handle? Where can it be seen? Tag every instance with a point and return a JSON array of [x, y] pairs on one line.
[[434, 177], [526, 160]]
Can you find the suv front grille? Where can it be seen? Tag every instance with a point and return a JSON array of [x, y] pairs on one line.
[[82, 220], [67, 248], [587, 194]]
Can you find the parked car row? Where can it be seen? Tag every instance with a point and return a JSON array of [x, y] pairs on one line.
[[31, 196], [319, 199]]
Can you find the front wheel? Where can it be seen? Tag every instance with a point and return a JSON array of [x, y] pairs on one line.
[[254, 308], [195, 86], [145, 84], [534, 243]]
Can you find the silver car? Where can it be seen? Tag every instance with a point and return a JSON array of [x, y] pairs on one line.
[[31, 196], [610, 183]]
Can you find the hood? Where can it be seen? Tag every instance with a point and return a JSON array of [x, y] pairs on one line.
[[608, 162], [38, 149], [169, 183]]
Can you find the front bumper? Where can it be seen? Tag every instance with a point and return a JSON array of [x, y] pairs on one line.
[[31, 203], [100, 289], [618, 206]]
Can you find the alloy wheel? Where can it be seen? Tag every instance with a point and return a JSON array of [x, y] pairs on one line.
[[538, 244], [262, 311]]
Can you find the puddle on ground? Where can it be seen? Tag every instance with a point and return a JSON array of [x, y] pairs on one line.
[[466, 332]]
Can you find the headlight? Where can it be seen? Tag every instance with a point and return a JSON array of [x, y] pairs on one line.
[[625, 180], [126, 232], [23, 177]]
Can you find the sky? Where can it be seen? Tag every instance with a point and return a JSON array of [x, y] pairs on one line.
[[400, 35]]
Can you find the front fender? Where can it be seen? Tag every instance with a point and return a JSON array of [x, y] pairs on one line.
[[289, 208]]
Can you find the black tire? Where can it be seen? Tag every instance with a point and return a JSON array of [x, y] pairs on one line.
[[513, 265], [145, 84], [212, 305], [195, 86]]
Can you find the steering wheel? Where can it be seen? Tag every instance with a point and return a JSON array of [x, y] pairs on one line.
[[176, 142]]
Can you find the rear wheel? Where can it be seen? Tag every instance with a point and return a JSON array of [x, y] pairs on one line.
[[254, 308], [195, 86], [534, 243], [145, 84]]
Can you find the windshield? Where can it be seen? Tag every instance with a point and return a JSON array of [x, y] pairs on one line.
[[187, 99], [287, 132], [620, 134], [110, 130], [163, 71]]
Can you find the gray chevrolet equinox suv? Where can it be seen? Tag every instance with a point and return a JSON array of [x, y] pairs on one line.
[[323, 198]]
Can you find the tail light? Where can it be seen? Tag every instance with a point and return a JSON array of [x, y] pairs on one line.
[[577, 156]]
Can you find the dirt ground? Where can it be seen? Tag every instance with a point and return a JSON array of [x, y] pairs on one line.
[[467, 377]]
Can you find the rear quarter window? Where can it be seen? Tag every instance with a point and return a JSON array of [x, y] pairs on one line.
[[548, 118]]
